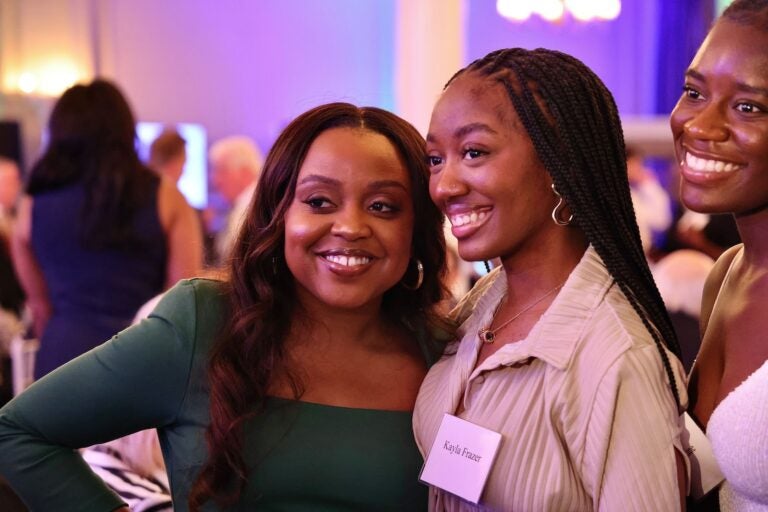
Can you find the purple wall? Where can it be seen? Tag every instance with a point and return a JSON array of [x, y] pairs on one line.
[[249, 66], [621, 52]]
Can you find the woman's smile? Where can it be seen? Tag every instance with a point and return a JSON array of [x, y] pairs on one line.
[[466, 220], [347, 263]]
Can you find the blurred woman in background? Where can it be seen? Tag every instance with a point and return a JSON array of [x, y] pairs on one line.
[[98, 234]]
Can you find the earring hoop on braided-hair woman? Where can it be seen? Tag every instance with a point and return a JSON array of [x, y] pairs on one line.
[[559, 207]]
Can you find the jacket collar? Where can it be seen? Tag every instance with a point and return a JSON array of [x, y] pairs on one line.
[[555, 336]]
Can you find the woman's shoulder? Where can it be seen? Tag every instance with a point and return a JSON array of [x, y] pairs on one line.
[[617, 341], [194, 292], [194, 310], [615, 328], [170, 200], [721, 267], [715, 281], [473, 298], [199, 299]]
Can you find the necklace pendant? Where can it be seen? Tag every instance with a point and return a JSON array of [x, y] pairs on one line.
[[486, 336]]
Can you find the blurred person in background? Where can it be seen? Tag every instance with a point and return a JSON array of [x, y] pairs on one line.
[[652, 204], [10, 187], [97, 233], [711, 234], [167, 157], [168, 154], [11, 294], [235, 166], [680, 277]]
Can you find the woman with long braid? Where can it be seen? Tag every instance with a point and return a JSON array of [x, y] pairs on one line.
[[720, 127], [566, 350]]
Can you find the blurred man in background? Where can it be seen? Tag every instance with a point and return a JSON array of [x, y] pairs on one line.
[[235, 166]]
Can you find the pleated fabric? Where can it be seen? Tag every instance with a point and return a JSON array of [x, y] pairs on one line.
[[584, 406]]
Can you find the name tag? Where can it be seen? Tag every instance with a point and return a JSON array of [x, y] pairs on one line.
[[461, 458], [705, 473]]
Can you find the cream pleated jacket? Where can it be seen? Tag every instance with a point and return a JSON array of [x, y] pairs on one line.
[[583, 403]]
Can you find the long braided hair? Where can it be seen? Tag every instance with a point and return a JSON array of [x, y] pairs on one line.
[[261, 295], [748, 12], [574, 125]]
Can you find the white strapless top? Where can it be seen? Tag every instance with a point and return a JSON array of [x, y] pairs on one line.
[[738, 430]]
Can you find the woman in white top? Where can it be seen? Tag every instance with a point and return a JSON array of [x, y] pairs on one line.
[[720, 126], [566, 349]]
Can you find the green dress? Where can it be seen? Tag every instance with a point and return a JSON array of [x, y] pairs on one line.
[[306, 456]]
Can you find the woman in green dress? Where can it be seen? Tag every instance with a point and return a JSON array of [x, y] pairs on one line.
[[290, 384]]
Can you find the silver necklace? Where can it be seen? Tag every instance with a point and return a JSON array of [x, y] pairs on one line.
[[488, 335]]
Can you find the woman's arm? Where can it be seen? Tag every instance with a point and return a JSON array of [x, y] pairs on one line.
[[135, 381], [27, 268], [634, 436], [183, 234]]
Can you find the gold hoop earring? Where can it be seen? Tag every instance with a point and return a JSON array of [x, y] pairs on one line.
[[419, 279], [559, 207]]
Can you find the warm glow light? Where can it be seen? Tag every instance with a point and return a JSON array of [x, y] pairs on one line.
[[56, 77], [609, 9], [551, 10], [555, 10], [27, 83], [50, 79], [514, 10], [582, 10]]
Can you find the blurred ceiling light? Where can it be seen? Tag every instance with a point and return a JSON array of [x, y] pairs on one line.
[[27, 83], [551, 10], [49, 79], [515, 11], [555, 10], [56, 77]]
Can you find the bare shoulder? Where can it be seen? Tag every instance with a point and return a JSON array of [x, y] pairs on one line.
[[168, 192], [170, 202], [714, 282]]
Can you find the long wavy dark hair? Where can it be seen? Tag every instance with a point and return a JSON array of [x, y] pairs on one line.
[[260, 287], [92, 141], [572, 120]]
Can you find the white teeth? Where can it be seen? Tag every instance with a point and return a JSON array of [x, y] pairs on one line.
[[705, 165], [467, 218], [347, 261]]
